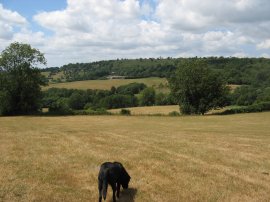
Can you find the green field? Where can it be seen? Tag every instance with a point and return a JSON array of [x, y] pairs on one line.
[[188, 158], [107, 84]]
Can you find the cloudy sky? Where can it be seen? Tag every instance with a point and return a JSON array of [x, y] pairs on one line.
[[70, 31]]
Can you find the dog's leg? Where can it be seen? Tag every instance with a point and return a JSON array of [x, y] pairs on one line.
[[117, 189], [114, 189], [100, 190], [104, 188]]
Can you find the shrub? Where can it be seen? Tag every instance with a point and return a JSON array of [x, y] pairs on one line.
[[118, 101], [60, 107], [76, 101], [174, 113], [125, 112], [260, 107], [162, 99], [99, 111], [88, 106], [147, 97], [131, 89], [244, 95]]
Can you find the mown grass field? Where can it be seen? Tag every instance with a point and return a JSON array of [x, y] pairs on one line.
[[189, 158], [149, 110], [159, 84], [161, 110], [107, 84]]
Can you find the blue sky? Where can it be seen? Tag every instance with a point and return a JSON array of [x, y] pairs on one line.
[[90, 30], [28, 8]]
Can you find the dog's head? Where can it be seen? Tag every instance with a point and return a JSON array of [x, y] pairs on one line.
[[125, 178]]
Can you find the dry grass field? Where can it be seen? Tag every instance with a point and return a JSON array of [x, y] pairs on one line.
[[150, 110], [189, 158], [107, 84], [161, 110]]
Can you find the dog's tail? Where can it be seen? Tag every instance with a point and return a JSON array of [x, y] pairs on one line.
[[105, 187]]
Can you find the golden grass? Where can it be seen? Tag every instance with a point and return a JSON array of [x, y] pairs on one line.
[[107, 84], [150, 110], [192, 158], [161, 110]]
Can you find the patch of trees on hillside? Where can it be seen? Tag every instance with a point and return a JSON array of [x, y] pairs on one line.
[[198, 88], [234, 70], [66, 101]]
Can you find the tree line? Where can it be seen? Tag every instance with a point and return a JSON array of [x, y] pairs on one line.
[[241, 71], [65, 101], [197, 85]]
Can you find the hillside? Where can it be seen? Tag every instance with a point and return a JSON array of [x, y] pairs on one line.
[[160, 84], [251, 74], [235, 70]]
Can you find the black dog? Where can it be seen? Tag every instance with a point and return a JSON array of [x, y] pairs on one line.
[[114, 174]]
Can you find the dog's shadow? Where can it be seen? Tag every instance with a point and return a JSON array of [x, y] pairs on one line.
[[127, 195]]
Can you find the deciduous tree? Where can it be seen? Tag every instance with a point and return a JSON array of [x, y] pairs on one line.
[[197, 89], [20, 79]]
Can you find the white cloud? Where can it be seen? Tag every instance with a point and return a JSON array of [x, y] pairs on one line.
[[11, 17], [6, 31], [33, 38], [265, 55], [240, 55], [90, 16], [264, 45], [8, 21], [106, 29]]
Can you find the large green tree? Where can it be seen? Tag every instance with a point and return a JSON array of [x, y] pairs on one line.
[[197, 89], [20, 79]]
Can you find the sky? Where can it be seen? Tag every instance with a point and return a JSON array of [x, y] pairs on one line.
[[75, 31]]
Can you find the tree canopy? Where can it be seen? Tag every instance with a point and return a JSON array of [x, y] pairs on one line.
[[197, 89], [20, 80]]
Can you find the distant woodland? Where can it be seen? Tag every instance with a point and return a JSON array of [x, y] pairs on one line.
[[197, 85], [234, 70], [251, 75]]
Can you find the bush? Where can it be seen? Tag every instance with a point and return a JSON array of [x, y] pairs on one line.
[[76, 101], [131, 89], [125, 112], [244, 95], [99, 111], [264, 96], [88, 106], [174, 113], [118, 101], [162, 99], [60, 107], [147, 97], [260, 107]]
